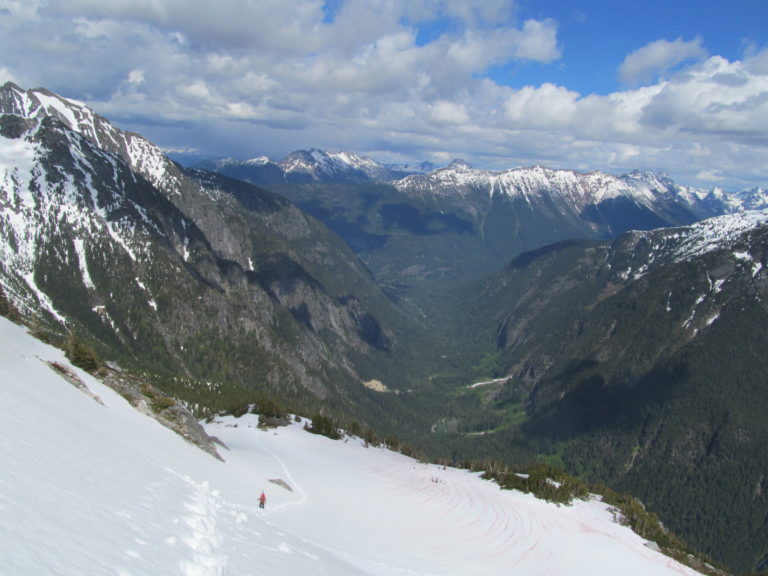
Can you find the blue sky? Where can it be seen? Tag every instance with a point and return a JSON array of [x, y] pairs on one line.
[[675, 86], [596, 35]]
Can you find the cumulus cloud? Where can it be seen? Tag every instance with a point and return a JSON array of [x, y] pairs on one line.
[[710, 176], [657, 58], [712, 112], [715, 97], [231, 24], [542, 108], [406, 76], [537, 40], [449, 113]]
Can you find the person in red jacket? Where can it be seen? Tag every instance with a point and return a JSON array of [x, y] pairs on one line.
[[262, 500]]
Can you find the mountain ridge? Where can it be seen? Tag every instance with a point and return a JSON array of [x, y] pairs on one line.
[[310, 166], [100, 233], [316, 165], [582, 189], [143, 156]]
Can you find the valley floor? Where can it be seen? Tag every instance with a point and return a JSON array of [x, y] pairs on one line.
[[95, 487]]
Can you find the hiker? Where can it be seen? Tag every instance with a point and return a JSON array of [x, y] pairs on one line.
[[262, 500]]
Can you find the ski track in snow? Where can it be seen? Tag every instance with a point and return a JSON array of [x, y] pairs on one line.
[[89, 488], [287, 473], [204, 540]]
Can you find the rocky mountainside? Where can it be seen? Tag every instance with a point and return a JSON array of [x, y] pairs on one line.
[[639, 363], [181, 272]]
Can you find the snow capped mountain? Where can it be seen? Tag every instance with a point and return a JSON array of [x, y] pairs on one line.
[[313, 166], [579, 190], [319, 165], [732, 233], [92, 486], [141, 155], [736, 240], [499, 214], [751, 199], [64, 199], [652, 190]]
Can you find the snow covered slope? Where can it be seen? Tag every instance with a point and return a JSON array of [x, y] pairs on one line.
[[141, 155], [724, 232], [91, 486]]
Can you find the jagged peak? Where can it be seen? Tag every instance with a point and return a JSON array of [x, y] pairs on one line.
[[143, 156], [571, 189], [319, 156], [41, 101], [319, 164]]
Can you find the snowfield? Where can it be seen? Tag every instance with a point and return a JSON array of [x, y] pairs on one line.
[[91, 486]]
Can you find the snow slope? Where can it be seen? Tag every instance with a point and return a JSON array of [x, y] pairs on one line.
[[94, 487], [144, 157]]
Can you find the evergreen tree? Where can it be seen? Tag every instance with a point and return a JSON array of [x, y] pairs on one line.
[[82, 355]]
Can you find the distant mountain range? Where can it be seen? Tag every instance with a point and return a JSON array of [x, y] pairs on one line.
[[433, 228], [617, 324], [583, 194], [459, 179], [305, 166]]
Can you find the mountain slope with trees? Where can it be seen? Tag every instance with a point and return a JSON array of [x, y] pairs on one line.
[[183, 273], [640, 363]]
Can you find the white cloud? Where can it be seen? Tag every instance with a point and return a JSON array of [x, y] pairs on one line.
[[542, 108], [715, 97], [232, 24], [537, 41], [20, 9], [480, 11], [758, 63], [710, 176], [708, 119], [449, 113], [136, 77], [238, 78], [657, 58], [7, 76]]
